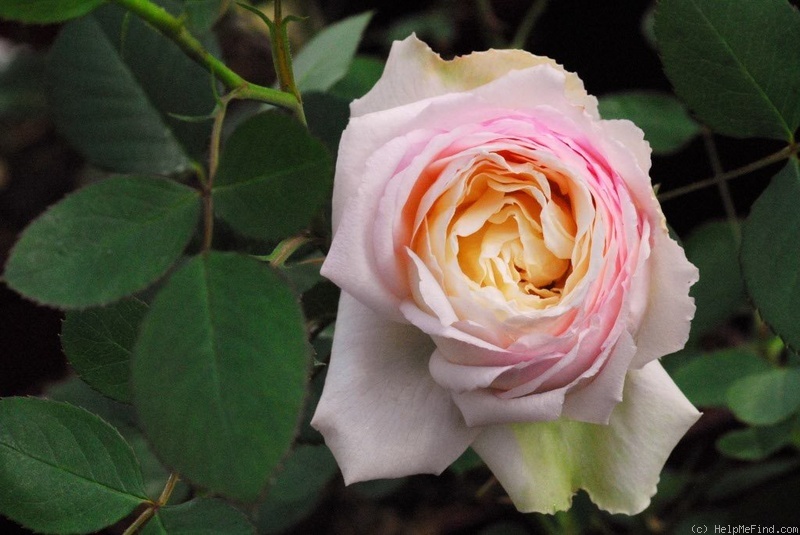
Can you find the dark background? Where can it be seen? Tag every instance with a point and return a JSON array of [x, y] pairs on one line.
[[601, 41]]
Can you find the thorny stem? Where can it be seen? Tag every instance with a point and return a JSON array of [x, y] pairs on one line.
[[722, 186], [282, 57], [213, 164], [286, 249], [141, 520], [174, 28], [216, 135], [168, 488], [153, 507], [783, 154]]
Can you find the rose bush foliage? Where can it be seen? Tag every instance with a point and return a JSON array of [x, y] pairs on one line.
[[508, 283]]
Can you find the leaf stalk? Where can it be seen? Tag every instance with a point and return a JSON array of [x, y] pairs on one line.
[[175, 29], [784, 154]]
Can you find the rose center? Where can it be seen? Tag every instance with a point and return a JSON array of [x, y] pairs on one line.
[[513, 229]]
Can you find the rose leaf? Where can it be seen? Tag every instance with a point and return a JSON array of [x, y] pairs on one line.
[[98, 343], [770, 254], [273, 176], [104, 242], [64, 469], [45, 11], [731, 61], [201, 515], [116, 87], [665, 122], [219, 372]]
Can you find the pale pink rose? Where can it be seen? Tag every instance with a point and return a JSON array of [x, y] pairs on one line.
[[508, 283]]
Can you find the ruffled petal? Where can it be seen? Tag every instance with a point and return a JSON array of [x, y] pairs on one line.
[[542, 465], [667, 319], [350, 262], [381, 413], [414, 72], [360, 140]]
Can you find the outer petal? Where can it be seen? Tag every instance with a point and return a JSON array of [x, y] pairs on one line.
[[666, 322], [596, 401], [665, 325], [360, 140], [542, 465], [414, 72], [381, 413]]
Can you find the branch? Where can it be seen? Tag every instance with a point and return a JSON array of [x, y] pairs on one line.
[[783, 154], [174, 29]]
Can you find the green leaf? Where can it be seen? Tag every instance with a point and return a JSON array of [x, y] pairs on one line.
[[766, 398], [719, 293], [297, 489], [647, 26], [64, 470], [303, 275], [106, 241], [706, 379], [306, 433], [755, 443], [219, 372], [115, 90], [665, 122], [45, 11], [22, 86], [76, 392], [468, 461], [771, 254], [201, 15], [325, 59], [98, 343], [201, 516], [363, 74], [731, 62], [673, 362], [327, 117], [272, 178]]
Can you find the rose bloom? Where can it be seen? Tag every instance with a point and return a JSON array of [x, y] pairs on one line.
[[508, 283]]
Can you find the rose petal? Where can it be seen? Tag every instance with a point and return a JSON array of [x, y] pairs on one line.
[[595, 401], [414, 72], [629, 153], [350, 263], [484, 408], [381, 413], [667, 319], [459, 378], [541, 465]]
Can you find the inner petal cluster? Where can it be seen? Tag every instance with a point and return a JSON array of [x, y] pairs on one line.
[[514, 232], [505, 231]]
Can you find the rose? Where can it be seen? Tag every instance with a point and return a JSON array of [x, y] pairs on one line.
[[508, 282]]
